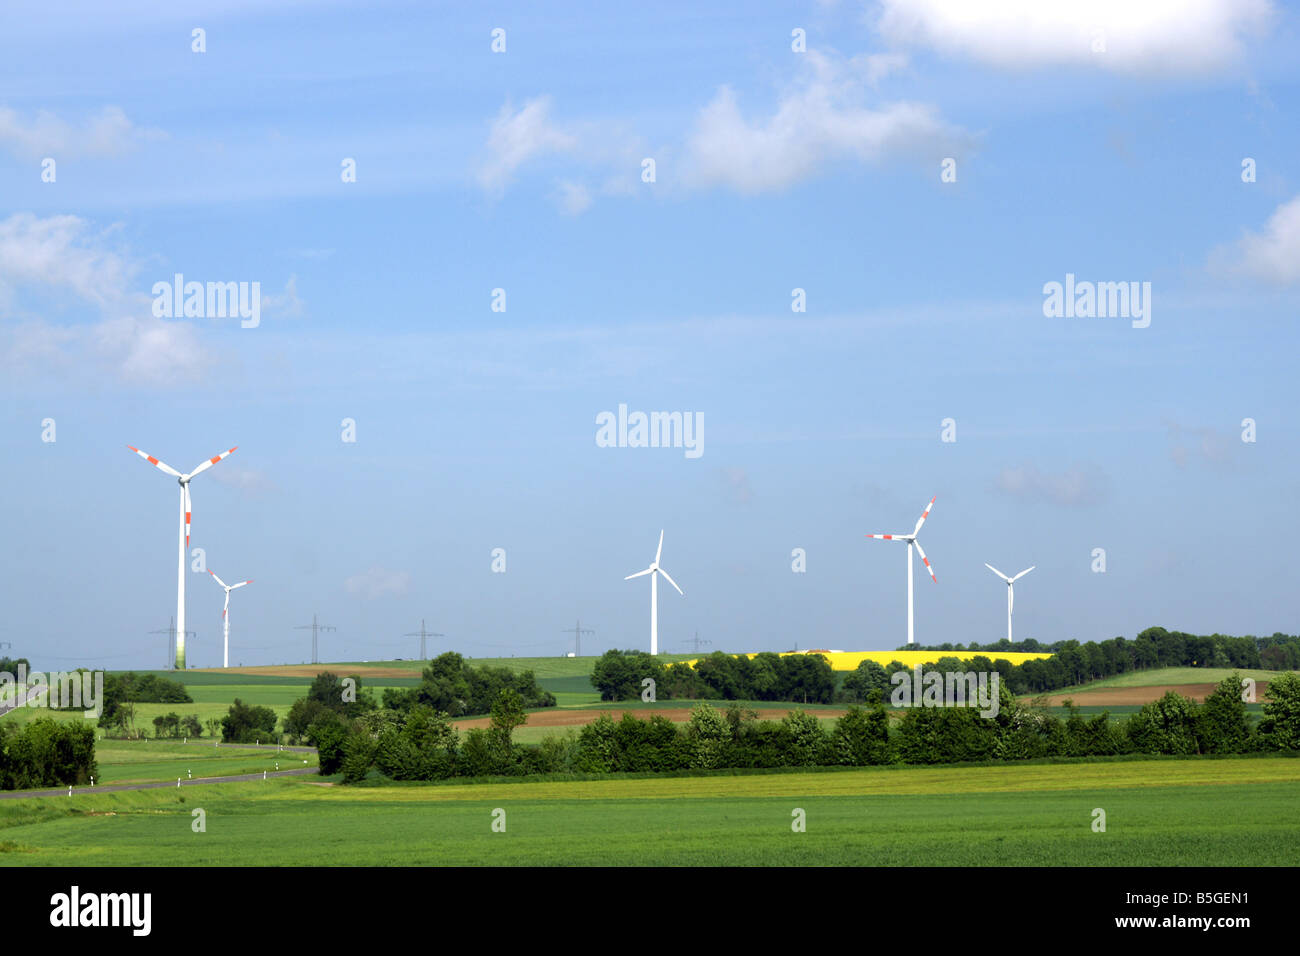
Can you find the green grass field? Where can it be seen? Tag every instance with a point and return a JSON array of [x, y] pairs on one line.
[[1237, 812], [138, 761]]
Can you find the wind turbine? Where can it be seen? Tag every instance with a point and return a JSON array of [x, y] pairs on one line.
[[184, 482], [1011, 590], [912, 543], [225, 613], [654, 571]]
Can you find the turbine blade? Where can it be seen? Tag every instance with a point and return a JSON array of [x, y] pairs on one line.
[[155, 462], [889, 537], [924, 514], [186, 486], [219, 581], [240, 584], [926, 560], [1011, 597], [210, 462], [671, 581], [1023, 573], [660, 549], [639, 574], [998, 573]]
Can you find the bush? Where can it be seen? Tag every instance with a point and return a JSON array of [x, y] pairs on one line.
[[861, 737], [46, 753]]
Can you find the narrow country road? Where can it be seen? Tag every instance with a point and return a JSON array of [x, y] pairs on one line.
[[113, 787]]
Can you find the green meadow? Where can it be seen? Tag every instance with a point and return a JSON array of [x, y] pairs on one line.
[[1231, 812]]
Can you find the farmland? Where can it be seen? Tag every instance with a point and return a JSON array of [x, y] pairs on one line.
[[1159, 812]]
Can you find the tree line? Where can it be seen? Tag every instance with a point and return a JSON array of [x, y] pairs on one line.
[[422, 744], [803, 678]]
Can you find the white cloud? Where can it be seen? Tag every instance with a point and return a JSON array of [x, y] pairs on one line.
[[1076, 487], [1273, 254], [822, 118], [378, 582], [1140, 36], [105, 134], [63, 255], [286, 305], [60, 252], [574, 198], [249, 481], [517, 137]]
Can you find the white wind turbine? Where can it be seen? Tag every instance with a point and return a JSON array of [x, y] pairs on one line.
[[184, 482], [1011, 590], [225, 614], [912, 543], [654, 571]]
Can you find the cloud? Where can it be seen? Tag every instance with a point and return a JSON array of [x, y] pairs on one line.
[[60, 252], [1150, 36], [284, 306], [247, 481], [105, 134], [1203, 443], [574, 198], [1076, 487], [378, 582], [64, 255], [822, 118], [1273, 254], [517, 137], [736, 481]]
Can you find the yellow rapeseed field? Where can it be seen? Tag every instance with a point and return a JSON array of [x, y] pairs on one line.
[[849, 660]]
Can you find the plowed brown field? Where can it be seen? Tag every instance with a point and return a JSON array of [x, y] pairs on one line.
[[1136, 696]]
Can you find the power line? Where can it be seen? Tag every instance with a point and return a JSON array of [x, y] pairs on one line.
[[171, 643], [697, 642], [422, 634], [577, 631], [315, 628]]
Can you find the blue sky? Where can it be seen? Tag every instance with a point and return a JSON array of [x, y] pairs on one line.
[[522, 170]]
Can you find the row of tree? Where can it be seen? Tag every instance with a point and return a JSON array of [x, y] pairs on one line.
[[454, 686], [131, 688], [1155, 647], [421, 744], [46, 753], [803, 678]]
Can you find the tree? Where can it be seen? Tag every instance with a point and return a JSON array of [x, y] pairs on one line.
[[245, 725], [1223, 726], [861, 736], [507, 714], [214, 726], [867, 684], [1280, 728]]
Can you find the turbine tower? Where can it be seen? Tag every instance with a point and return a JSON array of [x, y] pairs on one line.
[[1011, 590], [184, 482], [422, 634], [225, 614], [654, 571], [912, 543]]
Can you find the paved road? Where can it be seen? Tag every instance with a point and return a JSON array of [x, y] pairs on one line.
[[20, 700], [113, 787], [208, 743]]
